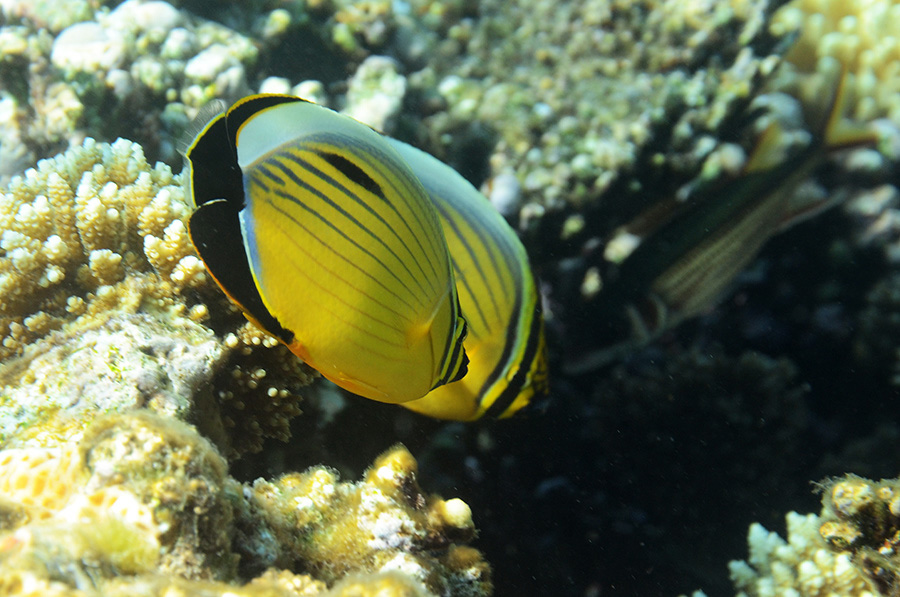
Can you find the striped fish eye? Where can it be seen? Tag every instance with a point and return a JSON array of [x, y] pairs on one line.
[[313, 224]]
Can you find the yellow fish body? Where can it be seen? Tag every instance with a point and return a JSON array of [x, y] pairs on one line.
[[312, 223], [497, 292]]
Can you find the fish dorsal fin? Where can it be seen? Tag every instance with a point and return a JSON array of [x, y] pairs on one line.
[[838, 132], [768, 151], [210, 110]]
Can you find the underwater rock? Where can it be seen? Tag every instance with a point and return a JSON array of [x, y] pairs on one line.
[[384, 523], [861, 521], [131, 360], [88, 47]]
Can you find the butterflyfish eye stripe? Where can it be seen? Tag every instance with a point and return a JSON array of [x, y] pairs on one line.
[[340, 250], [229, 269]]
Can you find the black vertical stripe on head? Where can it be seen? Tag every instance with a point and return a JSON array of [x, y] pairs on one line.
[[353, 172], [214, 172], [511, 391], [215, 230]]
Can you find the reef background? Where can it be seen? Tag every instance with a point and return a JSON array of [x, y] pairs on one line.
[[637, 478]]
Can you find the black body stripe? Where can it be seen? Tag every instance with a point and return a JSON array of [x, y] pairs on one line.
[[318, 194], [324, 220], [365, 205], [355, 266], [472, 256], [377, 164], [465, 282]]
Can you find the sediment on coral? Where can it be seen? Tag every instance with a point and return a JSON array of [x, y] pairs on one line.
[[383, 523]]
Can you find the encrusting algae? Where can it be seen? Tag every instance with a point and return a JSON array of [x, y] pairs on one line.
[[143, 504]]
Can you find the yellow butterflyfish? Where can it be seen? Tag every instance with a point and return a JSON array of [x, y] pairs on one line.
[[314, 225], [497, 292], [505, 348]]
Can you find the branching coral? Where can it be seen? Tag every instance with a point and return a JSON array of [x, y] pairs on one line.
[[73, 227], [849, 549], [103, 303], [801, 566]]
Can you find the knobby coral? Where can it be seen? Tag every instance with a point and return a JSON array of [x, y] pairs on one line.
[[142, 504]]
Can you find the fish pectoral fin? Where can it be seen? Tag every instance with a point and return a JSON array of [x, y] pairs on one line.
[[358, 387], [802, 206]]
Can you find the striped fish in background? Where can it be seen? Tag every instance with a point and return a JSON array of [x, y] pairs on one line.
[[315, 227]]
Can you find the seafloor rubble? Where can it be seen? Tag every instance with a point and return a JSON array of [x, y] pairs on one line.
[[640, 477]]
